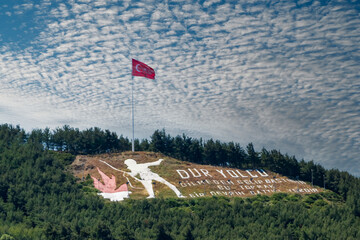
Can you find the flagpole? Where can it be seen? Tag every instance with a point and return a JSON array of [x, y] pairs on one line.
[[132, 112], [142, 70]]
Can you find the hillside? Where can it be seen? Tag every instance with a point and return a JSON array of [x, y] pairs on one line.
[[41, 199], [192, 180]]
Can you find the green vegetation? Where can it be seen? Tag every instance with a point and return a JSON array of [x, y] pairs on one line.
[[216, 153], [40, 200]]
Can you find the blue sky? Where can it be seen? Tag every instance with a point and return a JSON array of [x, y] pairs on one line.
[[281, 74]]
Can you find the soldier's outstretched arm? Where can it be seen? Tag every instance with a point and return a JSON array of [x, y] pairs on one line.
[[131, 175], [154, 163]]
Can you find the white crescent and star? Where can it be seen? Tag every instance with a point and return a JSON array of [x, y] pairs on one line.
[[141, 69]]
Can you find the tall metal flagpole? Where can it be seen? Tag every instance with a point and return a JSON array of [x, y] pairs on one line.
[[132, 112], [142, 70]]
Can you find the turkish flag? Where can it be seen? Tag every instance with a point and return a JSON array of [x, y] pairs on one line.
[[142, 70]]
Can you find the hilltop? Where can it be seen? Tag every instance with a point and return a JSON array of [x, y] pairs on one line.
[[41, 199], [192, 180]]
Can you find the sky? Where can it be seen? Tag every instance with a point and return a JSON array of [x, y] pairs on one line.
[[281, 74]]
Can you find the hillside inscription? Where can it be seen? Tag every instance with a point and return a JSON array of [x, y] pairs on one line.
[[138, 178]]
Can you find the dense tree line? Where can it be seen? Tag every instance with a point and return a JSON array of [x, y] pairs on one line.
[[72, 140], [40, 200], [211, 152], [233, 155]]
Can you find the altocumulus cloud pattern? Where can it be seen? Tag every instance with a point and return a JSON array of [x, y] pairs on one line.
[[280, 74]]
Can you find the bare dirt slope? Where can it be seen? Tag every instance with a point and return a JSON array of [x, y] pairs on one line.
[[192, 180]]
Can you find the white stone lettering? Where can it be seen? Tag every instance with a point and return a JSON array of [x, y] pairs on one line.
[[185, 176], [205, 172], [240, 182], [195, 194], [270, 180], [207, 181], [247, 182], [232, 173], [223, 182], [239, 193], [241, 174], [222, 172], [262, 172], [254, 176], [198, 174]]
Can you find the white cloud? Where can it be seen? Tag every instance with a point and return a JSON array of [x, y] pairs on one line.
[[280, 76], [208, 3]]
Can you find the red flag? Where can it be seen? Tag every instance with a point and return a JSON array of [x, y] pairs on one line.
[[142, 70]]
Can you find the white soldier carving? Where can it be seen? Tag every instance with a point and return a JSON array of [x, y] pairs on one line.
[[147, 176]]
